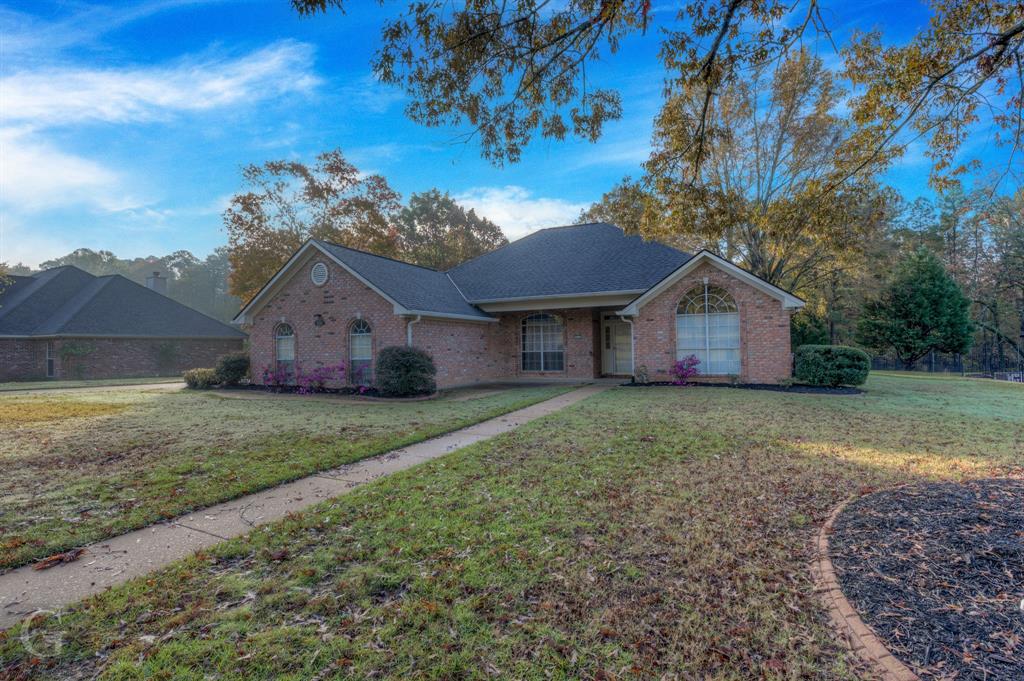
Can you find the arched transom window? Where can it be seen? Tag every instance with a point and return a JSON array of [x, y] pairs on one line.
[[543, 344], [708, 326], [284, 342], [360, 352]]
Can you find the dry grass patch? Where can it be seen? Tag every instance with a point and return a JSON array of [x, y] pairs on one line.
[[41, 410], [659, 533]]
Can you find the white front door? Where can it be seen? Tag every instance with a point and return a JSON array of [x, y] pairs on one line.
[[617, 347]]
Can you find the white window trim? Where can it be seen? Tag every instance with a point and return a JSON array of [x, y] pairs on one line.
[[522, 344], [369, 336], [51, 360], [707, 333], [277, 342], [319, 266]]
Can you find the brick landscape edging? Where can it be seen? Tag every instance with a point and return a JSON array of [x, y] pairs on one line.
[[857, 636]]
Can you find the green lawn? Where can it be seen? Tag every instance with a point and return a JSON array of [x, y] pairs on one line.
[[88, 383], [83, 465], [642, 533]]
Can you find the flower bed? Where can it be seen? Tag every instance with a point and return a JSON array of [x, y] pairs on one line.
[[935, 570], [810, 389]]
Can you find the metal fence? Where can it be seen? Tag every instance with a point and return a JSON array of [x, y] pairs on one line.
[[1009, 369]]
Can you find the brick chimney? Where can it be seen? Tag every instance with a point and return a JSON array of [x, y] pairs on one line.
[[157, 283]]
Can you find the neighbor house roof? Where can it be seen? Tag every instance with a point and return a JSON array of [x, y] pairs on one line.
[[67, 301], [567, 261]]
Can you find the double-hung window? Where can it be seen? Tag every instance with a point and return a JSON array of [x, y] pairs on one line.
[[360, 352], [51, 360], [284, 341], [543, 343]]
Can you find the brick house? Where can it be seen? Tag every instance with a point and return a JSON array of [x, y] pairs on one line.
[[575, 302], [64, 323]]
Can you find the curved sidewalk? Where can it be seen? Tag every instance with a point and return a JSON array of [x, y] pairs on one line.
[[104, 564]]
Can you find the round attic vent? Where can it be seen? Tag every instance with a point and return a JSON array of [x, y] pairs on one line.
[[318, 274]]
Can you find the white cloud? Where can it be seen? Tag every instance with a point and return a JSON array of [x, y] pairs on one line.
[[34, 175], [69, 94], [516, 211]]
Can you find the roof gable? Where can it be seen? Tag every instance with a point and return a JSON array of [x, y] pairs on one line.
[[411, 289], [788, 300], [415, 288], [567, 261]]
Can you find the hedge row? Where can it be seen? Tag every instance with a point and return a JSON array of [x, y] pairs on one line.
[[831, 365]]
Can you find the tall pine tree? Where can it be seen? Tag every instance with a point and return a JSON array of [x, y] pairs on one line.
[[920, 310]]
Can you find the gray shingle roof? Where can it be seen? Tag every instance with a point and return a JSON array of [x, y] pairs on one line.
[[414, 287], [66, 301], [568, 260]]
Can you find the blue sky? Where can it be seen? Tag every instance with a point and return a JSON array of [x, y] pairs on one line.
[[123, 125]]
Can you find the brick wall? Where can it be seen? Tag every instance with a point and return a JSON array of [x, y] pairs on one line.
[[463, 352], [22, 360], [83, 358], [764, 329], [339, 302], [581, 337]]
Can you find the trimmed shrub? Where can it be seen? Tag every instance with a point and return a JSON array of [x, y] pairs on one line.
[[232, 368], [200, 379], [831, 365], [404, 372]]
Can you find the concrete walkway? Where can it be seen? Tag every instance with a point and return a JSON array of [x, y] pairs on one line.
[[105, 564]]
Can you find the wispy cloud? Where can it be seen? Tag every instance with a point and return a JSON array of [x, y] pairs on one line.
[[61, 95], [35, 174], [517, 211], [27, 37]]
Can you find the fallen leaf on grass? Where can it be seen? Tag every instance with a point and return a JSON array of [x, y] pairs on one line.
[[59, 559]]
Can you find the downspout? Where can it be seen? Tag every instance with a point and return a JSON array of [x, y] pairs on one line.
[[408, 330], [632, 346]]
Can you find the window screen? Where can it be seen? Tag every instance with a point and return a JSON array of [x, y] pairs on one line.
[[543, 346]]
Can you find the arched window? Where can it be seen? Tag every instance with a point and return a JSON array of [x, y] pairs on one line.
[[284, 341], [708, 326], [543, 345], [360, 352]]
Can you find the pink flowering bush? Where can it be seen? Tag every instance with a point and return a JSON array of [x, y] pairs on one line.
[[276, 378], [685, 369], [305, 382], [314, 381]]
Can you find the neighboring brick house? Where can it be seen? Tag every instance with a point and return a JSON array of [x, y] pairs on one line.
[[64, 323], [574, 302]]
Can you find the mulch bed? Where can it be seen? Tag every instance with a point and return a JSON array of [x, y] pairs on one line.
[[371, 394], [809, 389], [937, 570]]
